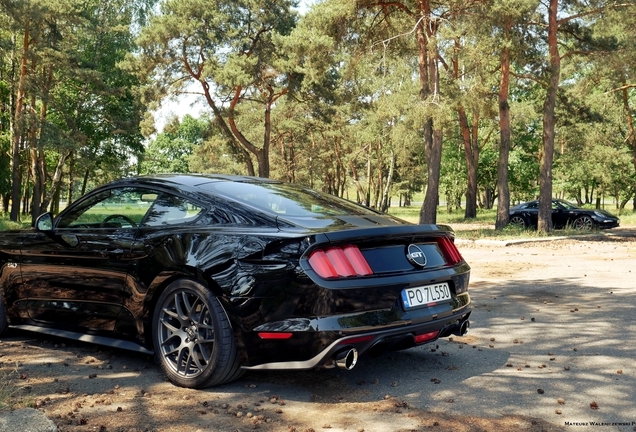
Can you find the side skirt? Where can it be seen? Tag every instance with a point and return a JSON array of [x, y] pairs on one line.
[[98, 340]]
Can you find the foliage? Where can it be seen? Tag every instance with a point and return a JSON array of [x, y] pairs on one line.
[[170, 151], [346, 98]]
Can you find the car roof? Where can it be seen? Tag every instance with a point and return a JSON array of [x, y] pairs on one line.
[[191, 180]]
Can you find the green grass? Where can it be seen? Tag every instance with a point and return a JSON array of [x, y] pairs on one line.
[[7, 388], [6, 224], [412, 214]]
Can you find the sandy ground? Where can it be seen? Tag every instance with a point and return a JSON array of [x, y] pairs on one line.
[[552, 345]]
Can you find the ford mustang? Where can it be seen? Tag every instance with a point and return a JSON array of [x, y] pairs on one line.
[[217, 275]]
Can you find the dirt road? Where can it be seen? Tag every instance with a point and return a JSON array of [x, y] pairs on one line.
[[552, 345]]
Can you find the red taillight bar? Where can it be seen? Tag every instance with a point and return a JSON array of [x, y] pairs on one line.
[[337, 262], [340, 262], [449, 250], [357, 260], [322, 265]]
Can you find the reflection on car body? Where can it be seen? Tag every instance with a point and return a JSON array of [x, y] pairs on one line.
[[218, 274]]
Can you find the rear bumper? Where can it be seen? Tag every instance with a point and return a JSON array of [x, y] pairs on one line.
[[372, 342]]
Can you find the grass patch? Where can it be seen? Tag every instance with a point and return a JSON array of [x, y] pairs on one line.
[[412, 214], [12, 395], [627, 217], [6, 224], [7, 388]]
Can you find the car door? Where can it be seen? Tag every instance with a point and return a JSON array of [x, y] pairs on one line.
[[74, 276], [560, 215]]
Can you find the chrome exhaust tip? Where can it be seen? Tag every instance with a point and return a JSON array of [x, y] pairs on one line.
[[463, 328], [346, 359]]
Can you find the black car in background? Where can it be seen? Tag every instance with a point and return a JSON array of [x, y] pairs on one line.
[[218, 274], [564, 214]]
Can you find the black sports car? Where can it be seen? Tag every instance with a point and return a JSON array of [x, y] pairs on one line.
[[564, 214], [221, 274]]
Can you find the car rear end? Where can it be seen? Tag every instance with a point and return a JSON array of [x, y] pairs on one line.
[[363, 291]]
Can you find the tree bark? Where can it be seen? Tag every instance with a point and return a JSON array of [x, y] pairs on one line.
[[71, 179], [471, 154], [503, 190], [226, 130], [549, 121], [17, 130], [38, 161], [387, 188], [55, 183], [429, 82]]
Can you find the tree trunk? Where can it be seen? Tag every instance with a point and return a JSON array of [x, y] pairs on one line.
[[503, 190], [263, 154], [55, 183], [55, 204], [228, 132], [549, 121], [17, 130], [471, 146], [71, 179], [471, 154], [84, 182], [38, 161], [387, 188], [429, 82], [5, 202]]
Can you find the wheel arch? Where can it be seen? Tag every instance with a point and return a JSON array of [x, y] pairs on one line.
[[163, 281]]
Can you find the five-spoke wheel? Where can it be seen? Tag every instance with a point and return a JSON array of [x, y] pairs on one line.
[[193, 337]]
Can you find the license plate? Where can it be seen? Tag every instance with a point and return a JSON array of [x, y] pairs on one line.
[[428, 295]]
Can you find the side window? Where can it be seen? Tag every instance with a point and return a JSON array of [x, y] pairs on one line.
[[113, 208], [171, 210]]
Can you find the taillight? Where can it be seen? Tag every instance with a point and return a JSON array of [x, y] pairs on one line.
[[335, 262], [449, 250]]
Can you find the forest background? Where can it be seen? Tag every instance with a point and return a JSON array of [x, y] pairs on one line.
[[472, 103]]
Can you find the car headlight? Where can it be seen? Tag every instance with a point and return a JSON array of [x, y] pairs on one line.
[[600, 215]]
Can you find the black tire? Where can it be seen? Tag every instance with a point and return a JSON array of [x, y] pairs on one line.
[[4, 322], [517, 220], [193, 337], [583, 223]]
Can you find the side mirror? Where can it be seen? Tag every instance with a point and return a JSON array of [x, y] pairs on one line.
[[44, 223]]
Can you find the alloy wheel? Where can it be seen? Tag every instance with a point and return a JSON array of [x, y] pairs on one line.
[[584, 223], [518, 221], [186, 333]]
